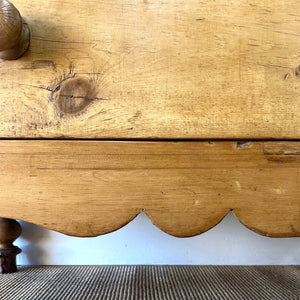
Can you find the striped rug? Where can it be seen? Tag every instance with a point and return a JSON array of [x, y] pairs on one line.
[[152, 282]]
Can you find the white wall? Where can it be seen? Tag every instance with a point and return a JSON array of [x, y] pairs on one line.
[[140, 242]]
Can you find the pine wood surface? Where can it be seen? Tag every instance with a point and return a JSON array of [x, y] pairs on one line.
[[155, 69], [88, 188]]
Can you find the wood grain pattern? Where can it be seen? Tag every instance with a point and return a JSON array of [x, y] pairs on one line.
[[282, 148], [155, 69], [87, 188]]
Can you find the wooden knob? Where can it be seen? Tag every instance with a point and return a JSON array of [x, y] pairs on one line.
[[14, 33]]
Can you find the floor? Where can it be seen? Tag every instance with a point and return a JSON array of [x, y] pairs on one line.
[[152, 282]]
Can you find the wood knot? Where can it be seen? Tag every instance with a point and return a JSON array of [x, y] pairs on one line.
[[297, 71], [74, 95]]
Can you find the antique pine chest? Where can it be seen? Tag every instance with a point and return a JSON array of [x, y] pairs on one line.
[[183, 109]]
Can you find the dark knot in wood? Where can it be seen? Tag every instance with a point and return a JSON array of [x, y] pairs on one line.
[[14, 32], [74, 95]]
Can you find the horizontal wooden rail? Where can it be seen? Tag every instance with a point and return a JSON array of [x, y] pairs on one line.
[[88, 188]]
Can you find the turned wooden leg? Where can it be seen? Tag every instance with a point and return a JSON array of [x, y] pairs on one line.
[[10, 230]]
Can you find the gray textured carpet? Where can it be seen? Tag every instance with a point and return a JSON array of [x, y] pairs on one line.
[[151, 282]]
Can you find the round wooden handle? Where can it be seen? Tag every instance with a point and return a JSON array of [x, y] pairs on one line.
[[14, 33]]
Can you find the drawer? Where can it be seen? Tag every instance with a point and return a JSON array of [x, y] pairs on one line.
[[155, 70]]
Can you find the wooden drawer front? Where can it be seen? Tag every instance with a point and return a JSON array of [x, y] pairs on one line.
[[155, 69]]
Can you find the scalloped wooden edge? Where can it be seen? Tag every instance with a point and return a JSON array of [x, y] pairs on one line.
[[89, 188]]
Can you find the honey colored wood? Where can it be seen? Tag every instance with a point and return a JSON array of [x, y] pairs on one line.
[[88, 188], [155, 69], [14, 33], [282, 148], [10, 230]]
